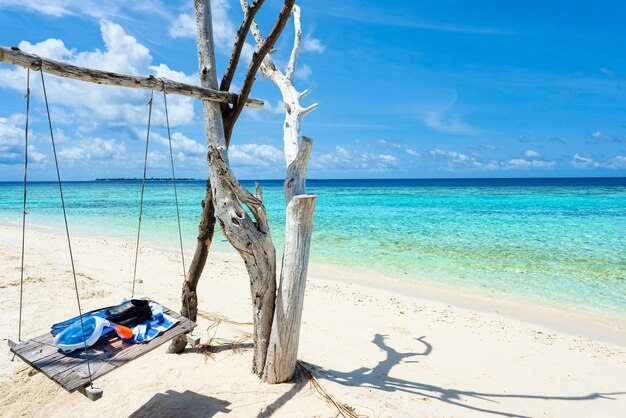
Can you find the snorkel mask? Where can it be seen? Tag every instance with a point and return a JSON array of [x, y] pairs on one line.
[[87, 332]]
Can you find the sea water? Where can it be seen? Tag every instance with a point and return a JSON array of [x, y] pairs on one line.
[[557, 240]]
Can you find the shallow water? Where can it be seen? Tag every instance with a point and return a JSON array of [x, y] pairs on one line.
[[560, 240]]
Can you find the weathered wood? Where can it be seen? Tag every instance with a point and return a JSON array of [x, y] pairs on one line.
[[70, 370], [250, 238], [17, 57], [291, 97], [258, 56], [282, 351], [295, 180], [253, 241], [240, 40], [189, 296]]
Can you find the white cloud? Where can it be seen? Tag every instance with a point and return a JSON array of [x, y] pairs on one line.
[[86, 150], [520, 163], [386, 158], [377, 162], [89, 105], [183, 145], [184, 26], [601, 136], [455, 156], [311, 44], [619, 161], [439, 116], [254, 155], [91, 8], [341, 151], [12, 142], [588, 162], [582, 161], [531, 154], [224, 32], [412, 152], [303, 72]]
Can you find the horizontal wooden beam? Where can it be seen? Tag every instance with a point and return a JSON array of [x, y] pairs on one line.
[[17, 57]]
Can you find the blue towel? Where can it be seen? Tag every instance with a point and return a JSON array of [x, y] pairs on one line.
[[151, 329]]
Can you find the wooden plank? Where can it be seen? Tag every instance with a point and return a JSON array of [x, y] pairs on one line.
[[17, 57], [70, 370], [76, 378]]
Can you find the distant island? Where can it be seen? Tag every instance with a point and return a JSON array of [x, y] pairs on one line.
[[148, 179]]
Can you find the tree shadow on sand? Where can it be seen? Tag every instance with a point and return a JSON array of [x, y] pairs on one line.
[[378, 378], [187, 403]]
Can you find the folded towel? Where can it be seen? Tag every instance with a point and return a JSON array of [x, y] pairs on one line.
[[151, 329]]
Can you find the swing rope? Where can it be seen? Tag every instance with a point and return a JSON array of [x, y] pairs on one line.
[[27, 97], [143, 186], [180, 233], [56, 161], [67, 230]]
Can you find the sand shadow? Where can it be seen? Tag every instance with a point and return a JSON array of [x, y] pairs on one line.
[[378, 378], [188, 404], [298, 382]]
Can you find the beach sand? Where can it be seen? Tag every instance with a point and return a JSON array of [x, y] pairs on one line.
[[387, 349]]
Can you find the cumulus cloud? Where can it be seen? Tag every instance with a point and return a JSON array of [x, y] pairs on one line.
[[184, 26], [91, 8], [588, 162], [454, 155], [602, 137], [303, 72], [531, 154], [182, 145], [412, 152], [254, 155], [520, 163], [12, 137], [310, 44], [224, 31], [86, 150], [92, 105], [341, 151], [348, 160]]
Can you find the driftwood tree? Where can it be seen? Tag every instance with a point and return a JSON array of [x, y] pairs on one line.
[[228, 117], [276, 333], [284, 339]]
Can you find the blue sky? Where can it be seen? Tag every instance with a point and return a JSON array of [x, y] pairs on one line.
[[406, 89]]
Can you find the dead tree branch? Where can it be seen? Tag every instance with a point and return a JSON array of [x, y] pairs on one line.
[[242, 33], [17, 57], [257, 59]]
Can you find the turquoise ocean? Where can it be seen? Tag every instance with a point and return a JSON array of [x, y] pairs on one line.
[[556, 240]]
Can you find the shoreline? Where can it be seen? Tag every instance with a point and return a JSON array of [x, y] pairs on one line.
[[558, 317], [578, 321]]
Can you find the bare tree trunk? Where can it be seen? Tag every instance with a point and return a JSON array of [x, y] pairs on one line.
[[284, 340], [251, 238], [189, 298], [282, 352]]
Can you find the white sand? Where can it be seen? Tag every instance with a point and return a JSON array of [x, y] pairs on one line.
[[375, 345]]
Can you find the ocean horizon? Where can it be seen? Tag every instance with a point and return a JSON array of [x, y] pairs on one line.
[[559, 240]]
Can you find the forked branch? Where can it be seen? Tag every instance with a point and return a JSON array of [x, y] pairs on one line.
[[248, 18], [257, 59]]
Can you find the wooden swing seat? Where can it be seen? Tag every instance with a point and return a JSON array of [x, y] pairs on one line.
[[70, 370]]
